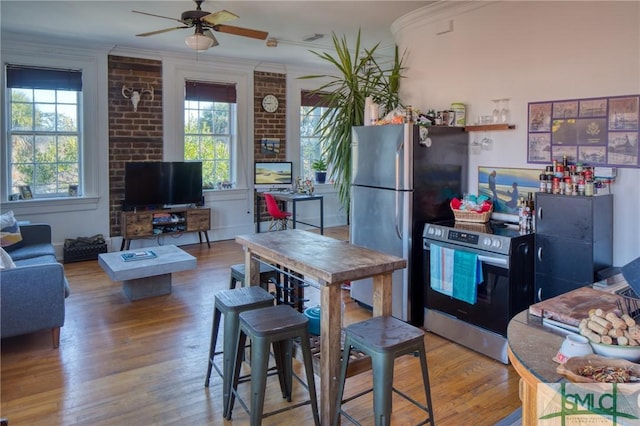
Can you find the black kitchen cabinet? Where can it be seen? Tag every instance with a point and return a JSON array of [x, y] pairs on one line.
[[574, 240]]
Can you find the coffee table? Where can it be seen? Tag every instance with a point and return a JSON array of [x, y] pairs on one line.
[[146, 277]]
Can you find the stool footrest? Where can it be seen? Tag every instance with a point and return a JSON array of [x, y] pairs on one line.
[[358, 363], [274, 412]]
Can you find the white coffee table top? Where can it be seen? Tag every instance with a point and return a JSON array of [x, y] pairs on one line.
[[168, 259]]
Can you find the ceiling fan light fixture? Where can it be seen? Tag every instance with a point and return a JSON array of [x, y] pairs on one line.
[[201, 41], [272, 42]]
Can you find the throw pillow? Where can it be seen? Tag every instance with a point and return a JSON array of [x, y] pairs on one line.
[[9, 230], [5, 260]]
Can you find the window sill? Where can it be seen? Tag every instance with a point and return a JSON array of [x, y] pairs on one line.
[[51, 205]]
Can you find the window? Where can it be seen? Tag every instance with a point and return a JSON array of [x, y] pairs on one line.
[[44, 130], [310, 113], [210, 130]]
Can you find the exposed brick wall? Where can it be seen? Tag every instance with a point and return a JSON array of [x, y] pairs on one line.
[[133, 136], [271, 125], [137, 136]]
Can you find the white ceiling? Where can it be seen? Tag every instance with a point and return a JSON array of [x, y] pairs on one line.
[[112, 23]]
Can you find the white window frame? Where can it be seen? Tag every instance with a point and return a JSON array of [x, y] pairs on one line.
[[295, 86], [94, 122], [233, 141], [318, 151], [175, 74], [40, 133]]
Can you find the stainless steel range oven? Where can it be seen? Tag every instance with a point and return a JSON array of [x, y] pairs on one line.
[[506, 259]]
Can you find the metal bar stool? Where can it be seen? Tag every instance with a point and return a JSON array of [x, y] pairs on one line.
[[278, 326], [231, 303], [384, 339], [267, 274]]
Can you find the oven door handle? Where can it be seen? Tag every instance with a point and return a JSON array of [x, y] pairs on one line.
[[494, 261]]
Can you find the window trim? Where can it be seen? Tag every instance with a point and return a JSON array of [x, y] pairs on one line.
[[295, 86], [232, 136], [94, 119], [56, 133], [175, 74]]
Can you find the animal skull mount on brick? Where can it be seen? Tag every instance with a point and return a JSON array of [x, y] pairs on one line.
[[129, 92]]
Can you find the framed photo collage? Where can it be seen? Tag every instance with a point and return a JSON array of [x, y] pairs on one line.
[[592, 131]]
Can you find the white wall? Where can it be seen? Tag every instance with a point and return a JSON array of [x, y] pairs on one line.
[[526, 51]]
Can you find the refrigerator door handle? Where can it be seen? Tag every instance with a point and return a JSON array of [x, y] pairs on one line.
[[398, 170], [398, 224]]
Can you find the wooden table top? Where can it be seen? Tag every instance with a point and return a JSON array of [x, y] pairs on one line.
[[534, 346], [328, 260]]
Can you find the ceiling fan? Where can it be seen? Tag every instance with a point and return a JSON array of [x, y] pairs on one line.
[[204, 22]]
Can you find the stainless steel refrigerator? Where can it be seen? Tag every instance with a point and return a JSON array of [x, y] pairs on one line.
[[403, 178]]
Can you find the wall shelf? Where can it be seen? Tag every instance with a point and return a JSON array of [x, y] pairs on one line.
[[488, 127]]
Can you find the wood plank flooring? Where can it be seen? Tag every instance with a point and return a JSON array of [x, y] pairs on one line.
[[144, 362]]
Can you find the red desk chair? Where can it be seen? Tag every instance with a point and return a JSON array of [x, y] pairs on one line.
[[279, 218]]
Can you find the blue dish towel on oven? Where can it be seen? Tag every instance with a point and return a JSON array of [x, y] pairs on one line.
[[466, 276], [455, 273], [441, 269]]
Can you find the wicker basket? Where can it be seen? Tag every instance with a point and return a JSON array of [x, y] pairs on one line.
[[471, 216]]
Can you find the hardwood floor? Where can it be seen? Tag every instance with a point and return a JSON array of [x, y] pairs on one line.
[[144, 362]]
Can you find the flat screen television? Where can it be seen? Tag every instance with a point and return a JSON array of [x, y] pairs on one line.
[[273, 173], [185, 181], [155, 184]]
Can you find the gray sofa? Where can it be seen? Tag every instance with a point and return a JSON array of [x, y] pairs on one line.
[[32, 295]]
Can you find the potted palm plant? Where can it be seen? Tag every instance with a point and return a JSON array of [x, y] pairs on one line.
[[320, 168], [358, 76]]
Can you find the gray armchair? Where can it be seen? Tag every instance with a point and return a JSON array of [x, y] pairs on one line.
[[32, 295]]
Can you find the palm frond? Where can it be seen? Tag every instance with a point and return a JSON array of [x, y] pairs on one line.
[[358, 76]]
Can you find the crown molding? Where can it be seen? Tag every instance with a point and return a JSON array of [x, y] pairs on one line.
[[52, 45], [437, 11]]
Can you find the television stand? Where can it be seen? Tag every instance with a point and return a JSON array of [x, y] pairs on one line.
[[151, 223]]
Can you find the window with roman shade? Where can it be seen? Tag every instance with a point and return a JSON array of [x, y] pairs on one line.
[[44, 130], [210, 130], [312, 107]]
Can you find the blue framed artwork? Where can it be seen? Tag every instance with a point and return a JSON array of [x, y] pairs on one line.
[[505, 185], [594, 131]]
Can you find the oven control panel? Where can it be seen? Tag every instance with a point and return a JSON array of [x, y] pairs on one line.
[[463, 237], [481, 241]]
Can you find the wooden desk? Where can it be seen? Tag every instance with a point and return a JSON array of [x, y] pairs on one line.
[[331, 262], [294, 199]]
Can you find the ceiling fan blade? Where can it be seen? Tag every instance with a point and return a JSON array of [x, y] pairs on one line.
[[159, 31], [245, 32], [158, 16], [218, 17]]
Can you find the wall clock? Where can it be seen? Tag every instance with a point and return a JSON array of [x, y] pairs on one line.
[[270, 103]]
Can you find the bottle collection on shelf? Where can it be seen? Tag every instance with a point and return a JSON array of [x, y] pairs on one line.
[[526, 214], [562, 178]]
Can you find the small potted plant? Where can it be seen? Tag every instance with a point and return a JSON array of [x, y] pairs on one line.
[[320, 167]]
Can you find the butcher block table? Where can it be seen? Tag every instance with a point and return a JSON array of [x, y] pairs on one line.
[[331, 263]]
